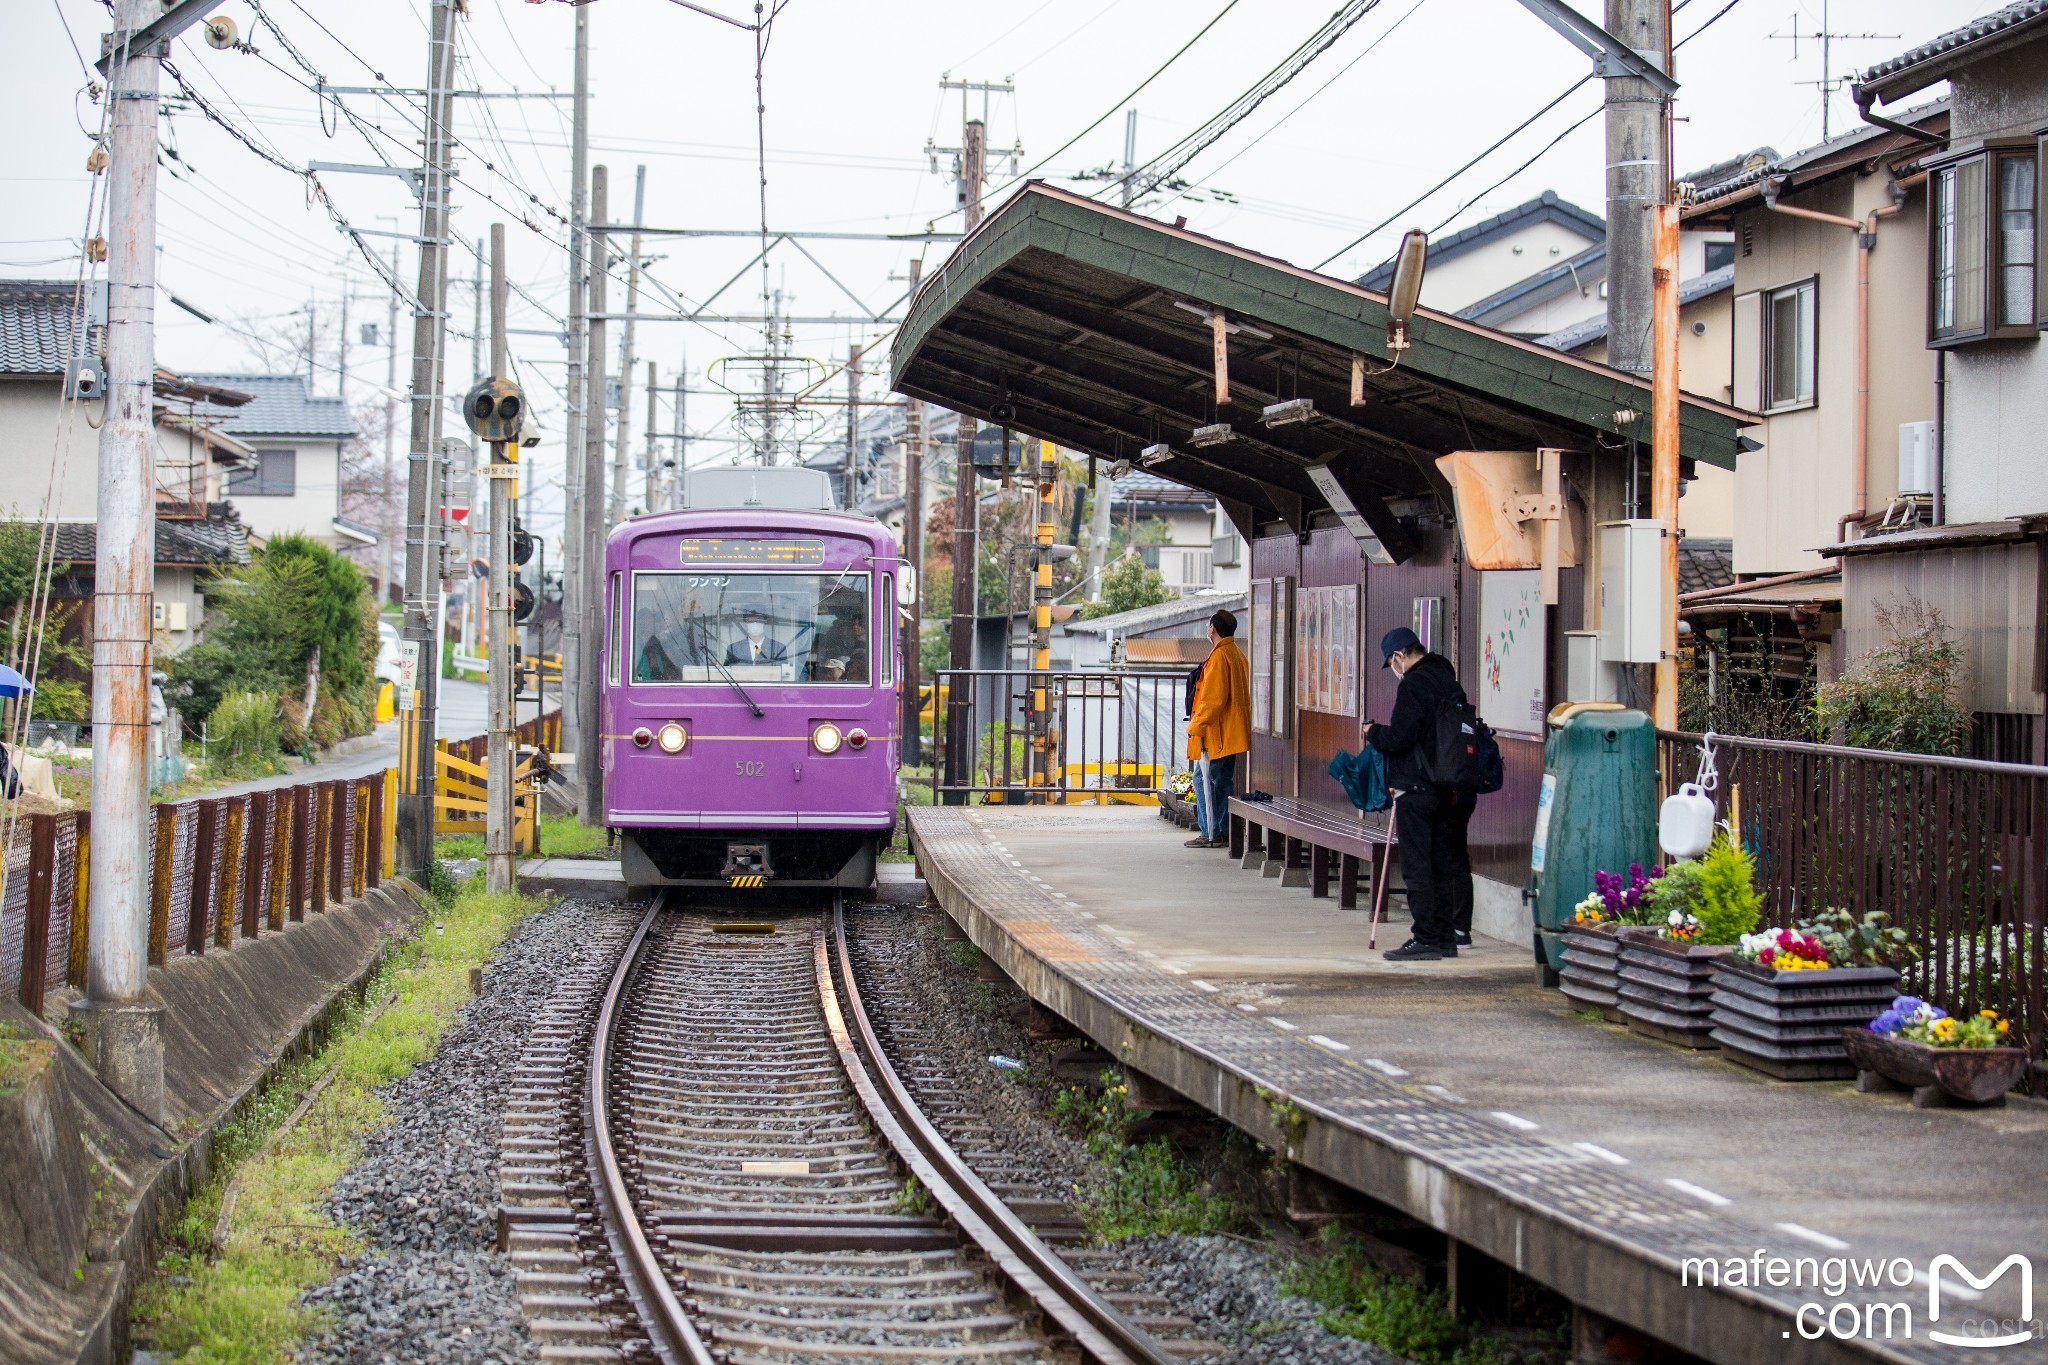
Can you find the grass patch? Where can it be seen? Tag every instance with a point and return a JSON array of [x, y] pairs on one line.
[[239, 1302], [1136, 1190], [561, 836], [1362, 1301]]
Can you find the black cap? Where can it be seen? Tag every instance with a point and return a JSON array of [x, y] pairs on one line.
[[1395, 641]]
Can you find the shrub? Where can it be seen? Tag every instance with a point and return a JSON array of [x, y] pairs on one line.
[[244, 725], [1728, 906], [1128, 585], [1908, 694]]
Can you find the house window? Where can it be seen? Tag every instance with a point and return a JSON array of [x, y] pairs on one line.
[[1720, 254], [1789, 346], [1982, 243], [276, 475]]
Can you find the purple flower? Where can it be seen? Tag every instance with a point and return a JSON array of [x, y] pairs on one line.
[[1635, 872], [1656, 871], [1891, 1021], [1906, 1004]]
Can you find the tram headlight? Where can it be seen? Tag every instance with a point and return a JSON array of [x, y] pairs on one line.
[[856, 738], [673, 737], [827, 737], [642, 737]]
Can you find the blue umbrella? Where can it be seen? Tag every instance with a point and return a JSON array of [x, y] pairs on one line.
[[12, 684]]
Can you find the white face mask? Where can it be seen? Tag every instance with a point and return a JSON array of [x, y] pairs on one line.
[[1399, 665], [756, 629]]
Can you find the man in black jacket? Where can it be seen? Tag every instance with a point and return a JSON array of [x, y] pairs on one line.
[[1429, 819]]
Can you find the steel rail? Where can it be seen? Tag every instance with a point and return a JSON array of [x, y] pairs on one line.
[[1104, 1334], [674, 1336]]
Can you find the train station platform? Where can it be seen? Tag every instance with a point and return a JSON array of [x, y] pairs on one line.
[[1463, 1095]]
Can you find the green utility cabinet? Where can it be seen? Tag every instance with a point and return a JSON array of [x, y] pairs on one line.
[[1596, 811]]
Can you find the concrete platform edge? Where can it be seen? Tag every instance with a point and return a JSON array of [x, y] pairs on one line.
[[1628, 1284]]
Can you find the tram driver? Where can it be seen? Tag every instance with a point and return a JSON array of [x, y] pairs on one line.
[[759, 647]]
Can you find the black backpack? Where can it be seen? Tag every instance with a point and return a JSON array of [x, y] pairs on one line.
[[1461, 751]]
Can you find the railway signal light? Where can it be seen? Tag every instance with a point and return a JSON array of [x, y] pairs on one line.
[[522, 601], [522, 544], [495, 410]]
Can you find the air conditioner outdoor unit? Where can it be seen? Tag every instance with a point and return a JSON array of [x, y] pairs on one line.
[[1916, 458]]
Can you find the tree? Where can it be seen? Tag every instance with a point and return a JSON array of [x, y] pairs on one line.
[[1128, 585]]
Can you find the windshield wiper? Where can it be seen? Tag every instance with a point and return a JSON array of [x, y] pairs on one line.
[[711, 657]]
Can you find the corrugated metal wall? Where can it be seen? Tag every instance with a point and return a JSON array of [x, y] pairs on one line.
[[1986, 595]]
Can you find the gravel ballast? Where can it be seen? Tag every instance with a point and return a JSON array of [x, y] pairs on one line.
[[424, 1193]]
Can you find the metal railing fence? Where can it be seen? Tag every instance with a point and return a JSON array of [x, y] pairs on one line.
[[1113, 736], [1955, 850]]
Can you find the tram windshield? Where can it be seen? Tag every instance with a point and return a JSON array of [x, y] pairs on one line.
[[698, 627]]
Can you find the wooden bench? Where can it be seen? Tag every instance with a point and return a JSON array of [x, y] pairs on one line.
[[1303, 844]]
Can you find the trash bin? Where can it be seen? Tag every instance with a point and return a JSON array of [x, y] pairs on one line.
[[1596, 811]]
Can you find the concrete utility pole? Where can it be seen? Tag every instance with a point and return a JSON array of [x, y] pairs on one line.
[[966, 506], [1098, 531], [673, 486], [1664, 393], [498, 755], [1637, 181], [621, 452], [913, 550], [1130, 153], [589, 604], [416, 776], [123, 1027], [649, 474], [852, 498], [572, 425], [387, 528]]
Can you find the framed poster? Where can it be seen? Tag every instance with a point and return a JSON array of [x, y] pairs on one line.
[[1509, 690], [1261, 656], [1327, 635]]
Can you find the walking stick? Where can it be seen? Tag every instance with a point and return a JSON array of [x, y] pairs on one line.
[[1379, 894]]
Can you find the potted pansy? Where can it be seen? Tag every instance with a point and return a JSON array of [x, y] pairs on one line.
[[1918, 1046], [1696, 913], [1592, 948], [1177, 801], [1782, 998]]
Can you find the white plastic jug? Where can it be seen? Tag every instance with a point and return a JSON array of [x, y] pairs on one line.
[[1685, 822]]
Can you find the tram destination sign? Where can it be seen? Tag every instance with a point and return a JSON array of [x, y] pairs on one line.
[[730, 550]]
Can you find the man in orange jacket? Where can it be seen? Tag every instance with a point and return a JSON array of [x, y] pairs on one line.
[[1221, 728]]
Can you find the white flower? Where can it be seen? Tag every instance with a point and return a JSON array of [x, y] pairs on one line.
[[1676, 920]]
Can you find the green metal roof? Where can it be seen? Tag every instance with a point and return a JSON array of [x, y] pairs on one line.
[[1059, 316]]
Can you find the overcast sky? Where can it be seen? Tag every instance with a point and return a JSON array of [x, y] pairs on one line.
[[851, 90]]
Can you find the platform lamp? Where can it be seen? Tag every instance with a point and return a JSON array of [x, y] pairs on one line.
[[1401, 299]]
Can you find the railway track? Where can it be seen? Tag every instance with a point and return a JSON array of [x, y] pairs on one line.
[[711, 1158]]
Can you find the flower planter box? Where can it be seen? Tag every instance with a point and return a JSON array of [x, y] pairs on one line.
[[1789, 1024], [1592, 970], [1172, 808], [1937, 1076], [1667, 988]]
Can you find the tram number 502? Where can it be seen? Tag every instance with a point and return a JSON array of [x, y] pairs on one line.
[[749, 767]]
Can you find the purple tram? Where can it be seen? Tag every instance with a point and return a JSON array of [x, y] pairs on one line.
[[751, 687]]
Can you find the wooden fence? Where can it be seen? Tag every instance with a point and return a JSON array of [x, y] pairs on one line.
[[222, 868], [1954, 850]]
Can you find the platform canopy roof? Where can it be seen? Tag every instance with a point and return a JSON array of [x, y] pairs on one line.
[[1090, 326]]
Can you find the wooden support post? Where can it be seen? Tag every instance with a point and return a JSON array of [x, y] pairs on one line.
[[230, 872], [81, 900], [1318, 871], [1347, 881], [163, 868], [35, 937], [205, 843], [359, 810], [277, 866], [337, 842], [374, 865]]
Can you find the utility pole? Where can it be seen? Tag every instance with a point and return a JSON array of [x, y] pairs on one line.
[[682, 437], [123, 1028], [649, 475], [503, 647], [341, 356], [1130, 153], [913, 550], [1637, 179], [1664, 380], [416, 777], [387, 527], [589, 603], [573, 548], [966, 505], [852, 498], [1098, 529], [621, 448]]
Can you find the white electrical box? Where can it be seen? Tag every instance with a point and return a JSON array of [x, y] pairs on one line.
[[1916, 458], [1587, 677], [1631, 591]]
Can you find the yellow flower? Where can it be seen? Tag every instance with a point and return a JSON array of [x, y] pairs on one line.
[[1944, 1028], [2004, 1026], [1987, 1014]]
